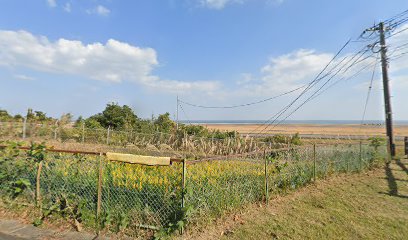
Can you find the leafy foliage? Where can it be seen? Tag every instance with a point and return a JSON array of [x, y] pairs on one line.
[[5, 116], [279, 138], [376, 142], [67, 206], [164, 123], [36, 152], [13, 169], [114, 116]]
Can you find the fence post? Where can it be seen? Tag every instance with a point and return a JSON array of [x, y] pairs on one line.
[[37, 185], [314, 162], [347, 164], [406, 145], [99, 201], [183, 189], [107, 136], [266, 178], [361, 156], [83, 131], [55, 130], [24, 127], [183, 184]]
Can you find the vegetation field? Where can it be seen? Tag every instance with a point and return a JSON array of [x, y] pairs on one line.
[[372, 205], [135, 197]]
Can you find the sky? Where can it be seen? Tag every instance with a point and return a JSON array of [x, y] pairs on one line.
[[75, 56]]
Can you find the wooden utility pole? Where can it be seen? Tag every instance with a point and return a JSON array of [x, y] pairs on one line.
[[387, 97]]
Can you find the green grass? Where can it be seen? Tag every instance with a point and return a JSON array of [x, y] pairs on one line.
[[371, 205]]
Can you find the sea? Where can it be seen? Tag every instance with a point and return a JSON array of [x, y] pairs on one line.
[[318, 122]]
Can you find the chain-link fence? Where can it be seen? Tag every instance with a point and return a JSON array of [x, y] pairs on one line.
[[177, 143], [109, 196], [70, 135]]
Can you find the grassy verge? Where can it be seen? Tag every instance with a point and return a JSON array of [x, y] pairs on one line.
[[373, 205]]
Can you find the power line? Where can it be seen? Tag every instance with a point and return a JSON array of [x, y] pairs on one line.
[[368, 93], [393, 22], [361, 52], [398, 56], [398, 23], [399, 15], [396, 33], [397, 48], [344, 78], [245, 104], [317, 92], [185, 115], [314, 94], [309, 86]]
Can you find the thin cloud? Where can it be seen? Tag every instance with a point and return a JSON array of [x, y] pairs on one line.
[[113, 61], [218, 4], [99, 10], [221, 4], [288, 71], [23, 77], [52, 3], [67, 7]]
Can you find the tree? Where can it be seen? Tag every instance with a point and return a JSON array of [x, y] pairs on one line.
[[18, 118], [164, 123], [30, 115], [40, 116], [4, 115], [92, 123], [79, 121], [65, 119], [116, 117], [196, 130]]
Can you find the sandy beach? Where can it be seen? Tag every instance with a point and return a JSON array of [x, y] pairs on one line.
[[324, 129]]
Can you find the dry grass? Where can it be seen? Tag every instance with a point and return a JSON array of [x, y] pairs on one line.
[[373, 205]]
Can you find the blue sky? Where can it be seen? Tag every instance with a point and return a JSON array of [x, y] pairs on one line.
[[75, 56]]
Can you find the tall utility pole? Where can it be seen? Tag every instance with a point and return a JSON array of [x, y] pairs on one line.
[[387, 98]]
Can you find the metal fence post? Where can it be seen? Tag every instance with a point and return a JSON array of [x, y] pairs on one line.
[[183, 189], [99, 189], [347, 164], [314, 162], [24, 127], [55, 130], [107, 135], [83, 131], [183, 184], [361, 156], [266, 178], [37, 185]]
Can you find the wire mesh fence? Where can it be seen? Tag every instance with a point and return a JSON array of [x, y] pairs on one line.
[[176, 143], [120, 197]]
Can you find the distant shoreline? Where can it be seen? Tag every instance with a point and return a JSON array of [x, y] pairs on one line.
[[293, 122], [309, 129]]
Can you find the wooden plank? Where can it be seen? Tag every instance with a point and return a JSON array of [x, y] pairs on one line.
[[138, 159], [178, 160]]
